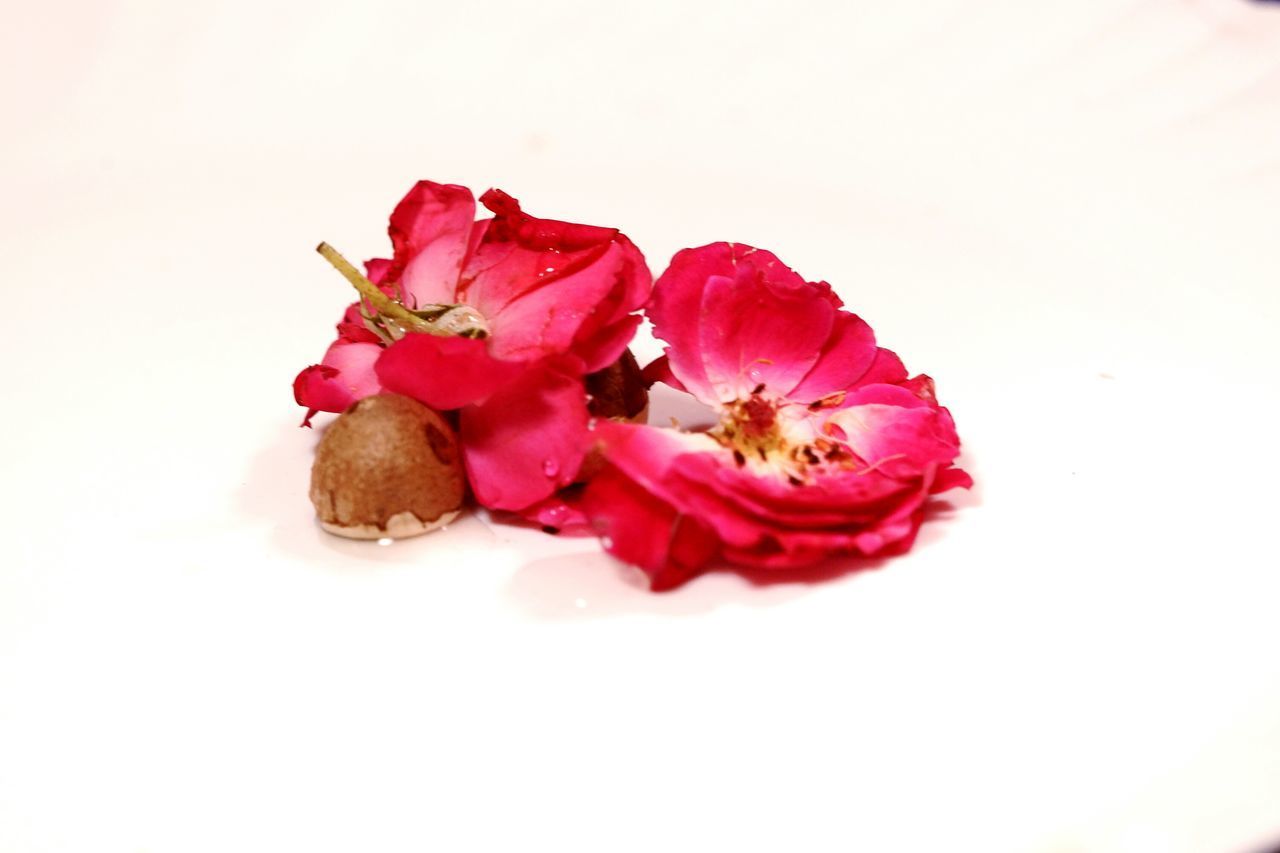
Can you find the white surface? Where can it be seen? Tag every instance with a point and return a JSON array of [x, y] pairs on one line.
[[1064, 212]]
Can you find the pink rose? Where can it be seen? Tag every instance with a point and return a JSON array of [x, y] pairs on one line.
[[823, 448], [532, 305]]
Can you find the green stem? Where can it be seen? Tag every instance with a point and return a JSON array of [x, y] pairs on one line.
[[383, 304]]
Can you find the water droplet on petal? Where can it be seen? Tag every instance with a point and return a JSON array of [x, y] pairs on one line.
[[385, 540], [550, 467], [606, 542]]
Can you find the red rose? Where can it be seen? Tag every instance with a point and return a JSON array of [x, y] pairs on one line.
[[533, 305], [824, 447]]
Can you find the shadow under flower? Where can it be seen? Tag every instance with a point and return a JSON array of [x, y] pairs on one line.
[[594, 585]]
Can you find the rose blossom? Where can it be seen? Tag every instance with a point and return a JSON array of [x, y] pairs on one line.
[[823, 446], [500, 319]]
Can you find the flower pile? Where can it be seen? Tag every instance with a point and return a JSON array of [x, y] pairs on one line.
[[824, 446]]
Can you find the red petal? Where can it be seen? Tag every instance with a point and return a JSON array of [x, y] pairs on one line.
[[756, 331], [352, 328], [549, 287], [527, 440], [735, 317], [644, 530], [895, 431], [845, 358], [345, 375], [430, 230], [443, 372]]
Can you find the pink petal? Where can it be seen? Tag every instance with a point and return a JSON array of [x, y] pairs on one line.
[[444, 372], [845, 357], [887, 368], [606, 345], [352, 328], [676, 306], [527, 440], [377, 270], [799, 549], [745, 509], [549, 287], [611, 324], [545, 320], [518, 253], [430, 231], [345, 375], [761, 332], [951, 478], [640, 528], [895, 431], [560, 513], [735, 317], [833, 499], [756, 520]]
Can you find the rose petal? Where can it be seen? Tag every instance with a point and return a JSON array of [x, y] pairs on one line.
[[527, 440], [545, 320], [759, 520], [549, 287], [755, 332], [895, 431], [352, 328], [735, 317], [606, 345], [345, 375], [560, 513], [675, 310], [847, 355], [444, 372], [640, 528], [430, 230], [378, 269], [519, 253]]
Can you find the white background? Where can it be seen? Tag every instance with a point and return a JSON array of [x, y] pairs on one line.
[[1064, 212]]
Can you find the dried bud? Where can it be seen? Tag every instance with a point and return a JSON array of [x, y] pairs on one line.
[[618, 391]]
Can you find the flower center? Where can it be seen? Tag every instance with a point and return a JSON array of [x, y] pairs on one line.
[[393, 319], [785, 439], [461, 320], [750, 428]]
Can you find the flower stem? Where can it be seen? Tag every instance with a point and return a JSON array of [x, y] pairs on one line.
[[383, 304]]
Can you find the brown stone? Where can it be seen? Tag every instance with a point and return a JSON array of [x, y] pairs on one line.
[[387, 467]]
